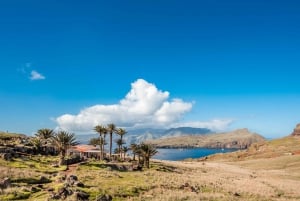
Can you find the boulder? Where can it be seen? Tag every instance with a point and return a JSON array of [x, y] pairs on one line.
[[72, 179], [6, 156], [5, 183], [82, 196], [79, 184], [104, 198]]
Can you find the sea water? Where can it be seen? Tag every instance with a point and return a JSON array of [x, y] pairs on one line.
[[176, 154]]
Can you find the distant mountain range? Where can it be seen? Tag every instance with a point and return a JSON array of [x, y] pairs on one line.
[[140, 135], [238, 139]]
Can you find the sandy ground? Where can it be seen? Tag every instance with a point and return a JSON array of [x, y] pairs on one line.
[[233, 178]]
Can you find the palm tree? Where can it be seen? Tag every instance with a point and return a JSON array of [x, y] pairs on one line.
[[134, 149], [121, 132], [111, 128], [102, 132], [94, 141], [147, 151], [45, 135], [119, 142], [37, 143], [62, 141], [125, 150]]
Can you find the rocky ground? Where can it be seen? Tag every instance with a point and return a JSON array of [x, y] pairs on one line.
[[267, 171]]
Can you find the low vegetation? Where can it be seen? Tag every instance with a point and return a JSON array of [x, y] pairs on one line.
[[268, 170], [162, 181]]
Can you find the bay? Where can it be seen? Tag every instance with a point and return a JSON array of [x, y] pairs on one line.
[[176, 154]]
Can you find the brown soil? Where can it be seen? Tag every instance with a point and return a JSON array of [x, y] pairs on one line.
[[71, 169]]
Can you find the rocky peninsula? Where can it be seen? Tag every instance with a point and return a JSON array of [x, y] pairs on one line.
[[238, 139]]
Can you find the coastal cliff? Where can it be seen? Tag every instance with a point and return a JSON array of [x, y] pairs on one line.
[[239, 139]]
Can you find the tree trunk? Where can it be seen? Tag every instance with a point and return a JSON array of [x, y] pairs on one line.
[[110, 146], [102, 152], [120, 152], [133, 156], [61, 161], [146, 162], [62, 157], [121, 142]]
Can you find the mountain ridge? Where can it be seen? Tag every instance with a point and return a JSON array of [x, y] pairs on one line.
[[240, 139], [143, 134]]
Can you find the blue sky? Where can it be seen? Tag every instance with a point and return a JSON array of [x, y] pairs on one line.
[[219, 64]]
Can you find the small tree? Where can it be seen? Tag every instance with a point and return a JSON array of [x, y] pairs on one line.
[[147, 151], [45, 135], [102, 133], [125, 150], [134, 150], [63, 141], [119, 142], [121, 132], [94, 141], [37, 143]]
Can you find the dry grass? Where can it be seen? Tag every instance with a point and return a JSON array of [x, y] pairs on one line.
[[179, 181], [168, 180], [263, 173]]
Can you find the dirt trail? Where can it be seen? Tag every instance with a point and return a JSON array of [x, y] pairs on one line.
[[71, 169]]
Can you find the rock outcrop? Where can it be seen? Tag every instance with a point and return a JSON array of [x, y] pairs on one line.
[[296, 131]]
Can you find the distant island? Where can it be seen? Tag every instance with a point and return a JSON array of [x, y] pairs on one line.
[[238, 139]]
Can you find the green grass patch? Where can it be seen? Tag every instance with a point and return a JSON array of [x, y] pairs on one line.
[[99, 180], [41, 164], [31, 180], [6, 135], [17, 195]]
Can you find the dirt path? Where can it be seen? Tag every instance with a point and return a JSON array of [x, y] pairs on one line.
[[71, 169]]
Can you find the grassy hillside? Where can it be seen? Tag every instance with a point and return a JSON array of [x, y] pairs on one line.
[[8, 136], [268, 170], [285, 146]]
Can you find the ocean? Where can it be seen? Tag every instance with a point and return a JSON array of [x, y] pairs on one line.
[[176, 154]]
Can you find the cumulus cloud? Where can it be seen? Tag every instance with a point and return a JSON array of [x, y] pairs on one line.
[[143, 106], [34, 75]]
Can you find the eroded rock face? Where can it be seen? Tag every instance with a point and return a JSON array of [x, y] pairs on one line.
[[296, 131]]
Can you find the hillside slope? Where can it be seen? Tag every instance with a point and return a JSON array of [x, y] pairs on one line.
[[286, 146]]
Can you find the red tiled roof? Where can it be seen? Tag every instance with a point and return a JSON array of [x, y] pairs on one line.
[[84, 148]]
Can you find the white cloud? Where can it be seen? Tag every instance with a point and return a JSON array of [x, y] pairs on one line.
[[143, 106], [214, 125], [34, 75]]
